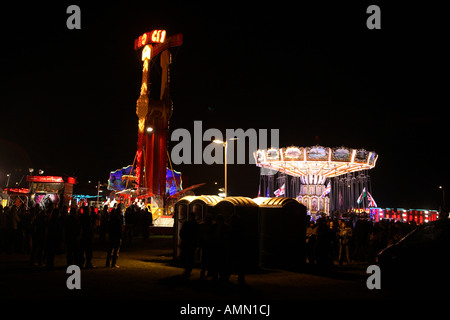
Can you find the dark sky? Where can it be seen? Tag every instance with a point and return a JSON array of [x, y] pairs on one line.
[[315, 72]]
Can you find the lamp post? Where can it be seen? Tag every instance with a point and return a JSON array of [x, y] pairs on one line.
[[443, 197], [224, 143]]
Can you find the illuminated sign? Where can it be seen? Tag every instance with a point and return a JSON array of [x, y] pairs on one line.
[[51, 179], [155, 36], [44, 179], [17, 190], [146, 54]]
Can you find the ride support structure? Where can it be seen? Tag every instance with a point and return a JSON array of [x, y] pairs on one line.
[[154, 114]]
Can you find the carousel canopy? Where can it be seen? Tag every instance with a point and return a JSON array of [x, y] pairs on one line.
[[315, 161]]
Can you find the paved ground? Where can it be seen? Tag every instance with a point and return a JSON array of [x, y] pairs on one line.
[[147, 272]]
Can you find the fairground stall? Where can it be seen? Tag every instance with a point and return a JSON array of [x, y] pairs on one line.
[[47, 190], [15, 196]]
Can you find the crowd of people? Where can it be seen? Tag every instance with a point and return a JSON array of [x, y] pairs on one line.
[[61, 230], [329, 242], [44, 233], [342, 241]]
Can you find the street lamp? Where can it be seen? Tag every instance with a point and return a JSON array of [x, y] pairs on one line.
[[443, 197], [224, 143]]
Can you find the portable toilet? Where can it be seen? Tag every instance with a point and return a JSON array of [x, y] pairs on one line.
[[282, 233], [245, 210], [202, 205], [180, 216]]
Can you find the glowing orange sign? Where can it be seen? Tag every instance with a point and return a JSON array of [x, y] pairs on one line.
[[155, 36], [146, 53]]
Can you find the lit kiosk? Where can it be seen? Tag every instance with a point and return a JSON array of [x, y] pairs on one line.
[[47, 190], [153, 115]]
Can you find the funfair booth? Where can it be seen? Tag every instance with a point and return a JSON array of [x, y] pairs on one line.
[[47, 190]]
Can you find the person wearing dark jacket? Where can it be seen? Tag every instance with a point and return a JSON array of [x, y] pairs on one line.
[[54, 236], [73, 234], [115, 238], [188, 235], [87, 235]]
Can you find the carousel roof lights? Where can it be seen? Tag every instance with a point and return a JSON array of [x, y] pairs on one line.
[[316, 160]]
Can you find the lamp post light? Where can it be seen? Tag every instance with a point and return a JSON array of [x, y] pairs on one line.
[[225, 144], [443, 197]]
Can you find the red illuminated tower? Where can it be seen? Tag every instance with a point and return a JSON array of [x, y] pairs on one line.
[[154, 114]]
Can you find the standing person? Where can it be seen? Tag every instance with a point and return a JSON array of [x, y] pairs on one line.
[[115, 237], [73, 234], [148, 220], [103, 223], [129, 219], [13, 222], [311, 235], [188, 236], [87, 235], [324, 243], [345, 234], [2, 229], [221, 250], [205, 234], [38, 225], [238, 243], [53, 237]]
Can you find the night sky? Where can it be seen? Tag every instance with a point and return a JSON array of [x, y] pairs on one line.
[[68, 97]]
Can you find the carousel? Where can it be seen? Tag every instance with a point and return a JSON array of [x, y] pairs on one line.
[[323, 179]]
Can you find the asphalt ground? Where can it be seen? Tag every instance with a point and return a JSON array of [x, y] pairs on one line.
[[147, 272]]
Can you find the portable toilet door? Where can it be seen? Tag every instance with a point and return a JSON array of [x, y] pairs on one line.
[[242, 211], [282, 233], [200, 207], [180, 216]]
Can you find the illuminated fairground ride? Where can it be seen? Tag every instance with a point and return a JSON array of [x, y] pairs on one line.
[[148, 179], [323, 179]]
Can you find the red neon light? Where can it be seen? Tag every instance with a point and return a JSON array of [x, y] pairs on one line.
[[18, 190], [51, 179], [71, 180], [154, 36], [44, 179]]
